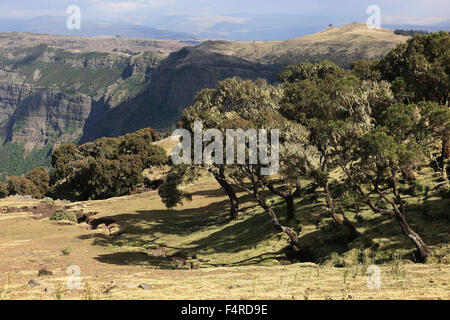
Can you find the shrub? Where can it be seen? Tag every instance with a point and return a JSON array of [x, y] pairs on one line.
[[48, 201], [62, 215], [107, 167], [41, 179], [66, 251], [36, 183], [21, 185], [3, 190]]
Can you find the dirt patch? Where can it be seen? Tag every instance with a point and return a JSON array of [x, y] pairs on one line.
[[46, 210], [160, 252], [40, 211], [95, 223], [148, 187], [85, 217]]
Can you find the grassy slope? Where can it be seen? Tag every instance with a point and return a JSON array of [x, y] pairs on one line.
[[13, 40], [247, 257], [341, 45], [242, 259]]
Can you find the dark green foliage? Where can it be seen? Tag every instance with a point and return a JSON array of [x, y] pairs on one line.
[[36, 183], [106, 167], [420, 68], [170, 191], [3, 190], [366, 70], [62, 215], [307, 70], [61, 157], [410, 33]]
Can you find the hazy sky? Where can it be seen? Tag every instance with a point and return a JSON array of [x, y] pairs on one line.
[[404, 11]]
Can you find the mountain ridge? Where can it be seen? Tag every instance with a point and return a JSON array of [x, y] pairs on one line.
[[90, 28]]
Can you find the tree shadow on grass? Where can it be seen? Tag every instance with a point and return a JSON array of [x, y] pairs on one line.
[[242, 234], [254, 227]]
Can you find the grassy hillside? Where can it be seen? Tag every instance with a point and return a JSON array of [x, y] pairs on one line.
[[341, 45], [193, 252], [13, 40]]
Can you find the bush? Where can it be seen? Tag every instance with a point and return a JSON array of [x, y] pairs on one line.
[[36, 184], [107, 167], [66, 251], [41, 179], [62, 215], [22, 186], [3, 190]]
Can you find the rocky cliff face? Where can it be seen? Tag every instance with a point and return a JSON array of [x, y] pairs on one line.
[[173, 86], [42, 115], [50, 96]]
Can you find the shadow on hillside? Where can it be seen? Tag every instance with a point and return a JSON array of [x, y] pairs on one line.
[[140, 230]]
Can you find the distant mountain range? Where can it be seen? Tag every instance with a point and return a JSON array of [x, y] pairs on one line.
[[239, 27], [89, 28], [267, 27]]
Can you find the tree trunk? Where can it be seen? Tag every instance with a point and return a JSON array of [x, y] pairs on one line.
[[290, 210], [445, 148], [234, 210], [408, 174], [293, 236], [444, 174], [422, 248], [398, 211], [353, 233], [288, 197]]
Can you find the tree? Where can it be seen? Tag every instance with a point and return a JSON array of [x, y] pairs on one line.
[[41, 179], [21, 185], [437, 121], [3, 190], [333, 106], [240, 100], [219, 175], [256, 190], [366, 70], [399, 143], [245, 105], [170, 191], [106, 167], [309, 71], [382, 158], [426, 122], [35, 183], [422, 65], [419, 71]]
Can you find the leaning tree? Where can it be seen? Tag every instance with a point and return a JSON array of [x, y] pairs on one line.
[[374, 164], [332, 104]]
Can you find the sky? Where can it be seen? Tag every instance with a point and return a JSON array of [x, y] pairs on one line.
[[140, 11]]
